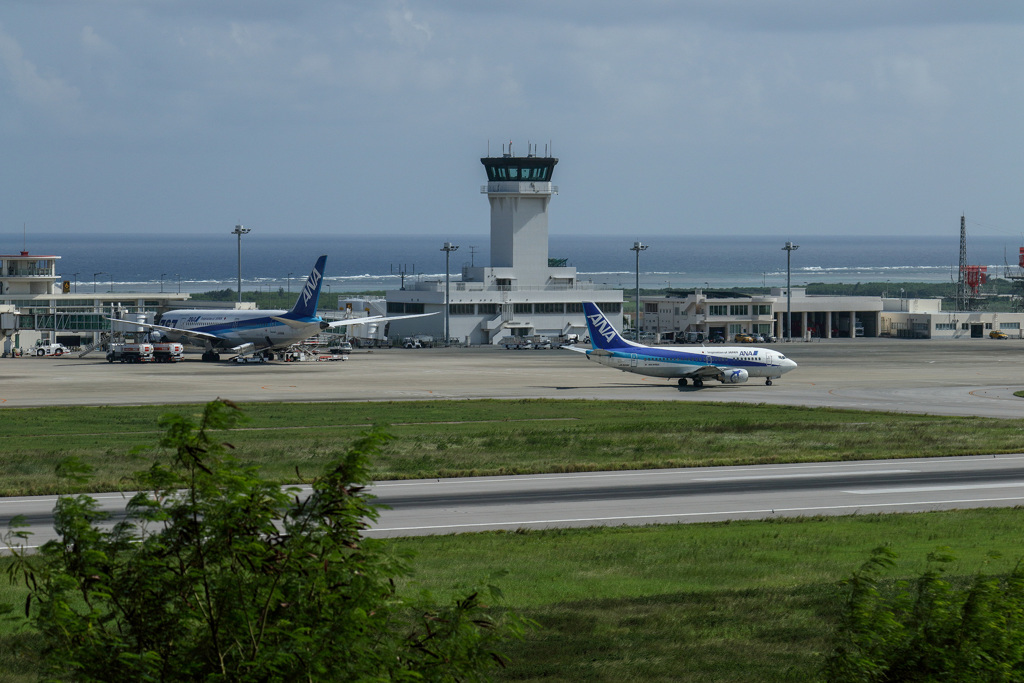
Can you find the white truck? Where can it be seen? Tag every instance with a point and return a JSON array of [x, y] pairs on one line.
[[130, 353], [168, 352]]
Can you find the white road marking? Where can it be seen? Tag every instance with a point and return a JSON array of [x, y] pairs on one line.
[[680, 515]]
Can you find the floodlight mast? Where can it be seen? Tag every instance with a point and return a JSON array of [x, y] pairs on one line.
[[637, 247], [448, 248], [789, 249], [239, 230]]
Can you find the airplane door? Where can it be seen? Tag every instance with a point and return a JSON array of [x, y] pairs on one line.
[[632, 360]]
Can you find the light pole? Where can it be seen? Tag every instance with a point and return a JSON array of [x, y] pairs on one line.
[[162, 282], [111, 282], [448, 248], [94, 276], [637, 247], [239, 230], [290, 282], [178, 275], [76, 283], [789, 249]]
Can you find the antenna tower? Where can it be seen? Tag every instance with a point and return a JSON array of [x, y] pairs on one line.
[[402, 271]]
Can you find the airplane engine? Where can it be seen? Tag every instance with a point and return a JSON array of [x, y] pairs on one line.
[[155, 336], [734, 376]]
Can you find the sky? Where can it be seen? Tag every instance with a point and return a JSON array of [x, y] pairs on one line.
[[687, 117]]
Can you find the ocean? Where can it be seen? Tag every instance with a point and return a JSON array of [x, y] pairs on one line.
[[202, 262]]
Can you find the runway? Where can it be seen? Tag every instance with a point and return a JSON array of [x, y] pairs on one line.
[[963, 377], [631, 498]]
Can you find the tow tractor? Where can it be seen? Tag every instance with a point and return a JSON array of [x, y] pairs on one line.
[[50, 350]]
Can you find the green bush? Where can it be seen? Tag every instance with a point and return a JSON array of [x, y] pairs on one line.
[[217, 575], [930, 629]]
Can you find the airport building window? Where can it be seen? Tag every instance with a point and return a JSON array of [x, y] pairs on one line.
[[1011, 326], [574, 308], [611, 307], [487, 309], [988, 326], [549, 308], [461, 309], [736, 309], [650, 308], [402, 307], [718, 309], [945, 326], [965, 326], [762, 309], [522, 308]]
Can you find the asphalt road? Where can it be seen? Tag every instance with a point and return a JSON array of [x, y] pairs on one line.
[[965, 377]]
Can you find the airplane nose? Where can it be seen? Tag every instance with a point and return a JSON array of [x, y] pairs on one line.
[[788, 365]]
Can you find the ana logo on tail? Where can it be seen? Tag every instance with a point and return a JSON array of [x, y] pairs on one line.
[[309, 291], [602, 326]]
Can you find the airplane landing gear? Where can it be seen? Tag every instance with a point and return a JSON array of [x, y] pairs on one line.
[[682, 381], [211, 356], [767, 382], [698, 382]]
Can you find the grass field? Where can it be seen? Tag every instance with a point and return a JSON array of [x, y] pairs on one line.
[[739, 601], [457, 438]]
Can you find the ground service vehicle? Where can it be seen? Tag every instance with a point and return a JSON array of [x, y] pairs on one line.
[[130, 353], [50, 350], [998, 334], [168, 352]]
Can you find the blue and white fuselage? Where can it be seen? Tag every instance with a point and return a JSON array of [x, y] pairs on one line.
[[729, 364], [245, 332]]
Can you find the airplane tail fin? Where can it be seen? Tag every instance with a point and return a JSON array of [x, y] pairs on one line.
[[309, 297], [602, 333]]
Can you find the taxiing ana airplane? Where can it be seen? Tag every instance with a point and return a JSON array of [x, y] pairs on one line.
[[728, 364], [248, 332]]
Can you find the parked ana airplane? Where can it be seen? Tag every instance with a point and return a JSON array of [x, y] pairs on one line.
[[729, 364], [247, 332]]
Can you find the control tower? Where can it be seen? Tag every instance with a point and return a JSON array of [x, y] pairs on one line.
[[521, 293], [519, 190]]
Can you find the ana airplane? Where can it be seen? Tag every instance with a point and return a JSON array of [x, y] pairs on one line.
[[247, 332], [729, 364]]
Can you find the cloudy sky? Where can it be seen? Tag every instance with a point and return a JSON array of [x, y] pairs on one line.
[[694, 117]]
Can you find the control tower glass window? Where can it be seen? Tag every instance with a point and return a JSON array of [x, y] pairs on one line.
[[528, 169]]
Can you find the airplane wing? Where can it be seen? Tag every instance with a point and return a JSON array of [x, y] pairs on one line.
[[194, 334], [374, 319]]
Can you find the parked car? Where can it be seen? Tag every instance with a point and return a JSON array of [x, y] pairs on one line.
[[743, 338], [998, 334], [717, 338]]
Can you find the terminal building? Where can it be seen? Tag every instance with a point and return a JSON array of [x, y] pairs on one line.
[[699, 315], [523, 292], [38, 306]]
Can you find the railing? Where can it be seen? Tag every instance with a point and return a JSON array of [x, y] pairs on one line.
[[433, 286]]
